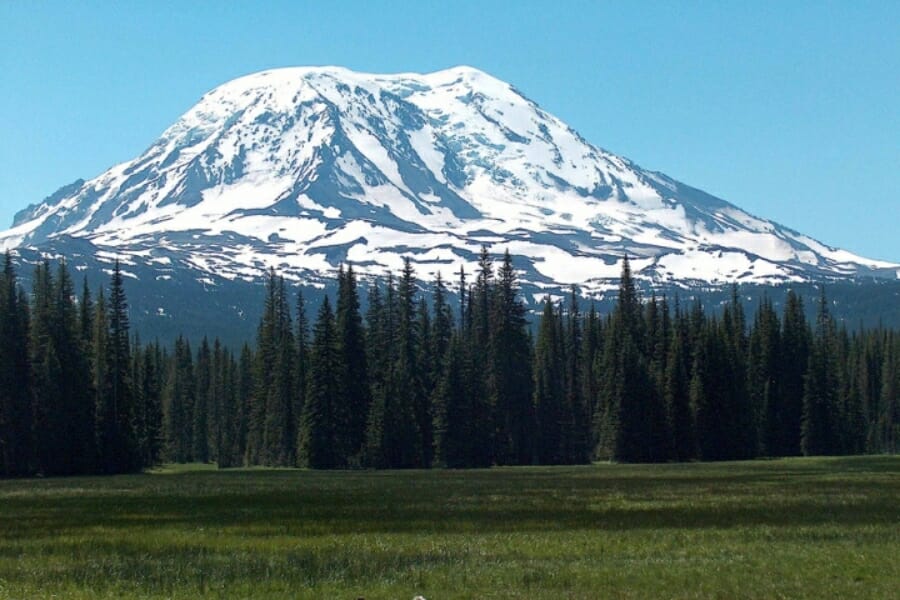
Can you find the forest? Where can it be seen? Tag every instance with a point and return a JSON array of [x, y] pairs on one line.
[[419, 382]]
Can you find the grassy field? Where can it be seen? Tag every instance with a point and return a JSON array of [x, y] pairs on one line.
[[819, 528]]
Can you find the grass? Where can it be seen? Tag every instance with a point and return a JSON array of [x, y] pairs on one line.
[[798, 528]]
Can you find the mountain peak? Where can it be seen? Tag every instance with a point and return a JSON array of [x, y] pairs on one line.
[[303, 168]]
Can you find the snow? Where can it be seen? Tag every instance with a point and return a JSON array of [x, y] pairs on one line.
[[547, 195], [422, 141]]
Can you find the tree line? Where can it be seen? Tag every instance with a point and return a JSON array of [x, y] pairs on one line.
[[409, 383]]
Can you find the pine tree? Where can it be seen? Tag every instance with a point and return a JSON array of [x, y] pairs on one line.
[[590, 351], [709, 393], [179, 404], [280, 433], [202, 401], [380, 360], [150, 439], [301, 369], [549, 386], [818, 435], [86, 318], [217, 391], [228, 411], [850, 428], [795, 340], [658, 434], [423, 382], [887, 424], [509, 372], [764, 379], [16, 442], [73, 350], [869, 385], [744, 443], [354, 401], [318, 446], [116, 443], [443, 327], [627, 419], [402, 434], [48, 395], [677, 395], [245, 389], [271, 432], [453, 440]]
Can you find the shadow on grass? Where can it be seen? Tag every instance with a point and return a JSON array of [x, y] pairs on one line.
[[840, 492]]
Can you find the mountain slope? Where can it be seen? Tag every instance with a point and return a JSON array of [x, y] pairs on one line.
[[303, 168]]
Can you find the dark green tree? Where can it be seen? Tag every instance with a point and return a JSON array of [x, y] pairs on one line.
[[453, 440], [354, 401], [794, 359], [202, 401], [178, 404], [319, 446], [549, 388], [677, 394], [510, 378], [818, 427]]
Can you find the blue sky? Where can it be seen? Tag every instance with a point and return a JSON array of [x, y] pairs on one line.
[[790, 110]]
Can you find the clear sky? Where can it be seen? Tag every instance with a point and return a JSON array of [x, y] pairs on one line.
[[791, 110]]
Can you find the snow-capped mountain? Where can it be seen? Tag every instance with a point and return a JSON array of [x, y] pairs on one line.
[[304, 168]]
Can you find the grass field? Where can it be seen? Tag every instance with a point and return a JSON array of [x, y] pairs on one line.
[[819, 528]]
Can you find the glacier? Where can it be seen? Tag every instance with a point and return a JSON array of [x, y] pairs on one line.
[[302, 169]]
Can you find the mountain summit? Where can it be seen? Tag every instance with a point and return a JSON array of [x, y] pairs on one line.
[[304, 168]]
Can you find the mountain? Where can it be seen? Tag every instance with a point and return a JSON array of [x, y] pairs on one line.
[[301, 169]]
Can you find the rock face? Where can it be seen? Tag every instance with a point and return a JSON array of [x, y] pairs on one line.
[[304, 168]]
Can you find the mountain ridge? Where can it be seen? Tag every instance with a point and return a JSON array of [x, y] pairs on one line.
[[303, 168]]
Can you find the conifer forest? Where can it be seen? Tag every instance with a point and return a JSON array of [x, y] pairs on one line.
[[456, 377]]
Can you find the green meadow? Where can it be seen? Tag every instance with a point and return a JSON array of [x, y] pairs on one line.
[[795, 528]]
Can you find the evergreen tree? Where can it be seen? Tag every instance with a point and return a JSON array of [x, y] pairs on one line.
[[150, 434], [659, 436], [442, 331], [48, 396], [509, 372], [626, 422], [179, 404], [301, 369], [677, 394], [202, 401], [217, 392], [117, 446], [453, 440], [380, 359], [86, 318], [354, 401], [78, 400], [402, 434], [739, 411], [280, 433], [850, 423], [764, 380], [245, 389], [229, 411], [818, 435], [549, 386], [709, 393], [319, 446], [887, 425], [590, 352], [271, 430], [795, 342], [423, 382]]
